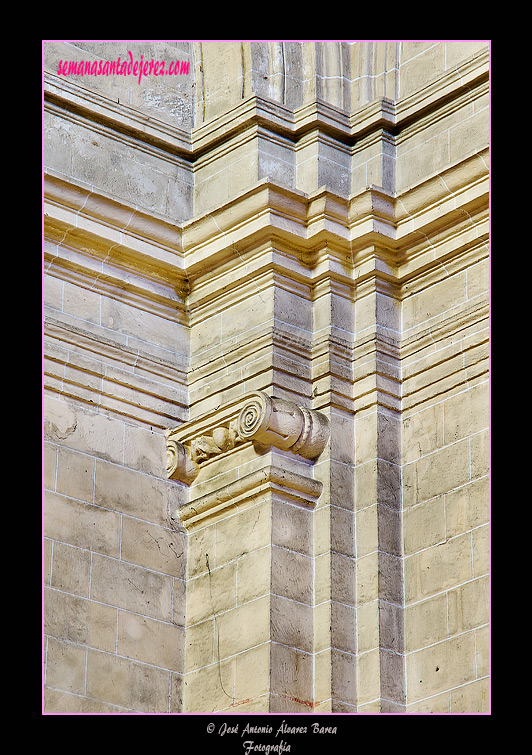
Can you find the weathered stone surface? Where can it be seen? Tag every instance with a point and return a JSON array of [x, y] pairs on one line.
[[271, 262]]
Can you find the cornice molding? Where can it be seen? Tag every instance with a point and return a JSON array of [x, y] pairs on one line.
[[62, 94], [464, 78], [84, 202], [450, 367], [381, 114], [113, 249], [371, 234], [435, 335], [108, 349], [304, 216]]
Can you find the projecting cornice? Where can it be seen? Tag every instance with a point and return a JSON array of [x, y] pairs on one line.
[[378, 232], [267, 207], [114, 248], [322, 220], [383, 113], [299, 489], [106, 114], [61, 94], [85, 204]]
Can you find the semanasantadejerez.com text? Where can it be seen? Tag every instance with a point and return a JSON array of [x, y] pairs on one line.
[[127, 67]]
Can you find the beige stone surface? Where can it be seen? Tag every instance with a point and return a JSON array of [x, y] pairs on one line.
[[154, 642], [302, 221], [446, 665], [131, 685]]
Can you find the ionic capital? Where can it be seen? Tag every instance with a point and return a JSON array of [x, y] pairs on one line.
[[283, 424], [262, 419]]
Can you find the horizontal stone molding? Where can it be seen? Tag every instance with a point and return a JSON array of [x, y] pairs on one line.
[[84, 202], [253, 111], [112, 376], [262, 419], [161, 252], [455, 354], [273, 480]]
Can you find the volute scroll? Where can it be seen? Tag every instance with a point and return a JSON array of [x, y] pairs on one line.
[[262, 419]]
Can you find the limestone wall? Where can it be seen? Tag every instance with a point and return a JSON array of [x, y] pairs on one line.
[[305, 222]]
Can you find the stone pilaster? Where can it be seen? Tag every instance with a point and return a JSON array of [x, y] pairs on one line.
[[377, 499], [250, 582]]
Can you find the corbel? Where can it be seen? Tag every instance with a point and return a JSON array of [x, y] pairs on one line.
[[263, 420]]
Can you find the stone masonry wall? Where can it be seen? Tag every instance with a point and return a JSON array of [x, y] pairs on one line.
[[305, 220], [114, 568]]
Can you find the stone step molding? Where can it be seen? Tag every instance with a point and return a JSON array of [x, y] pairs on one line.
[[286, 485]]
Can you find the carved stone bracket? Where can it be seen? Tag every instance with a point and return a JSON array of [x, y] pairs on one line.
[[262, 419]]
